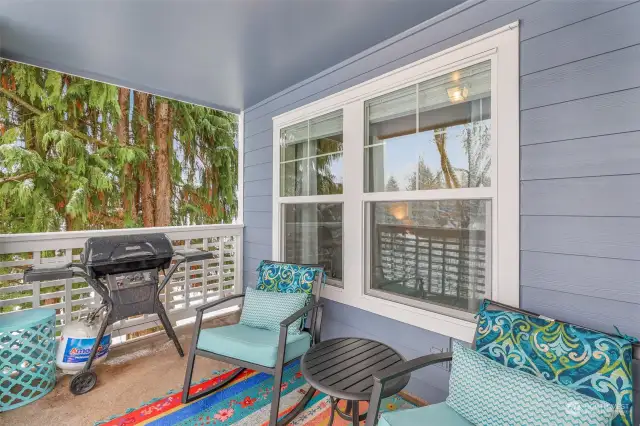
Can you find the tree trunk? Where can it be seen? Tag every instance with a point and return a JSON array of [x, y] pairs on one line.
[[122, 132], [146, 185], [449, 173], [163, 174]]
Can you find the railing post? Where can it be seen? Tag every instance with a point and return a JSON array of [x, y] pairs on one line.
[[238, 285], [36, 286], [220, 267], [187, 278], [68, 286], [205, 269]]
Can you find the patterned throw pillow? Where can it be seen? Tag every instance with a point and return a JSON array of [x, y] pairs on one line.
[[594, 364], [264, 309], [286, 277], [487, 393]]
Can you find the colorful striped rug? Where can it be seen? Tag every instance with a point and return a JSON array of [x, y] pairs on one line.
[[244, 402]]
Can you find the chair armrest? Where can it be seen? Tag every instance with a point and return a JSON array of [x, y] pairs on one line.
[[399, 370], [210, 305], [300, 312]]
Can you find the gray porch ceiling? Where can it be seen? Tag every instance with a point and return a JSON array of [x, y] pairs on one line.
[[228, 54]]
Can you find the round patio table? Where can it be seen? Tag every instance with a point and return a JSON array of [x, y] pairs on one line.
[[343, 369]]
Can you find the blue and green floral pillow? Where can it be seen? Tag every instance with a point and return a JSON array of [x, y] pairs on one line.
[[287, 277], [592, 363]]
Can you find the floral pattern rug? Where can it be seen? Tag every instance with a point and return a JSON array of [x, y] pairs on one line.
[[244, 402]]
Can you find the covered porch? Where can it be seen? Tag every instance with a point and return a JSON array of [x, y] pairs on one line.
[[524, 194]]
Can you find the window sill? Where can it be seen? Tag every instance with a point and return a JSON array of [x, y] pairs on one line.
[[432, 321]]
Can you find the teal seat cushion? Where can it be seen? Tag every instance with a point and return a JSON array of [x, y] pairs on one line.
[[592, 363], [431, 415], [265, 309], [250, 344], [486, 392]]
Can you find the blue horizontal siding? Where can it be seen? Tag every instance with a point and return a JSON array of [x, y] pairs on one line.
[[580, 168]]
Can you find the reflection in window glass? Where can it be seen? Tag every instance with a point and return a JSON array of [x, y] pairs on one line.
[[431, 251], [439, 140], [311, 157], [313, 235]]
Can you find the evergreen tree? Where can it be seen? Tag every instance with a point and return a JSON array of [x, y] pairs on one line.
[[77, 154], [392, 185]]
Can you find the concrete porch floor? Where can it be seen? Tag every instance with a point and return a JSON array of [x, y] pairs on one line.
[[133, 373]]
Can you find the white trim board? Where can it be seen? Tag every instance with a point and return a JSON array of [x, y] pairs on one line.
[[501, 47]]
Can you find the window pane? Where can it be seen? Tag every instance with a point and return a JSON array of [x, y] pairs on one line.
[[313, 234], [294, 142], [292, 178], [450, 145], [311, 157], [431, 251], [325, 134], [391, 130], [326, 175]]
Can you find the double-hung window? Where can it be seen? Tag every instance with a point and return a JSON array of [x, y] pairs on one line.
[[406, 187], [311, 187]]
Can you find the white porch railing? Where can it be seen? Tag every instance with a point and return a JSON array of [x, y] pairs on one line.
[[190, 285]]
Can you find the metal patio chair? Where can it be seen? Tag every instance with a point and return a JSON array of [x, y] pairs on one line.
[[277, 351], [441, 413]]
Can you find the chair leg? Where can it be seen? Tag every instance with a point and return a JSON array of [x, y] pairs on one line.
[[187, 376], [275, 395], [298, 408], [192, 358]]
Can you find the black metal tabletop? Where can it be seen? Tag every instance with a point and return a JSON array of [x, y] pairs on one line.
[[343, 368]]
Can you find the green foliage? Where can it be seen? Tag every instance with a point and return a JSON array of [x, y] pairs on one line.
[[62, 166]]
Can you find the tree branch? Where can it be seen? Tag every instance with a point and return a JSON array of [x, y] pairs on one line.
[[17, 178], [15, 98]]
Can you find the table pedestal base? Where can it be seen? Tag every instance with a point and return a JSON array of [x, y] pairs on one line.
[[351, 412]]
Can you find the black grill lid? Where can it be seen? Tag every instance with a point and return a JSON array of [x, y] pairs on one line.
[[120, 253]]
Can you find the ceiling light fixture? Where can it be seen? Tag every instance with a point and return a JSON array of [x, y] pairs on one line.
[[457, 94]]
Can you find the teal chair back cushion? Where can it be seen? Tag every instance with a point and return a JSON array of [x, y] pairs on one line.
[[592, 363], [266, 309], [286, 277]]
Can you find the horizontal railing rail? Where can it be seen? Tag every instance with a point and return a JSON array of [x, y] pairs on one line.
[[191, 285]]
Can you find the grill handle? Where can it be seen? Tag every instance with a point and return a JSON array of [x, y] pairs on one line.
[[48, 273]]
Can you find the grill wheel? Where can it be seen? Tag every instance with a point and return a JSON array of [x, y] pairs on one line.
[[83, 382]]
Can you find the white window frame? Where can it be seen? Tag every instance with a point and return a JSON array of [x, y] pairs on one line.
[[501, 46], [302, 199]]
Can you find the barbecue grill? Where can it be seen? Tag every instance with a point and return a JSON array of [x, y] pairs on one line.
[[124, 271]]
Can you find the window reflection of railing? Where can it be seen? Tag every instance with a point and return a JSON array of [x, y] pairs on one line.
[[445, 266]]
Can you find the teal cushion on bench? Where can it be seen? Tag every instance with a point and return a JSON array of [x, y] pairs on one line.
[[485, 392], [250, 344], [431, 415]]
